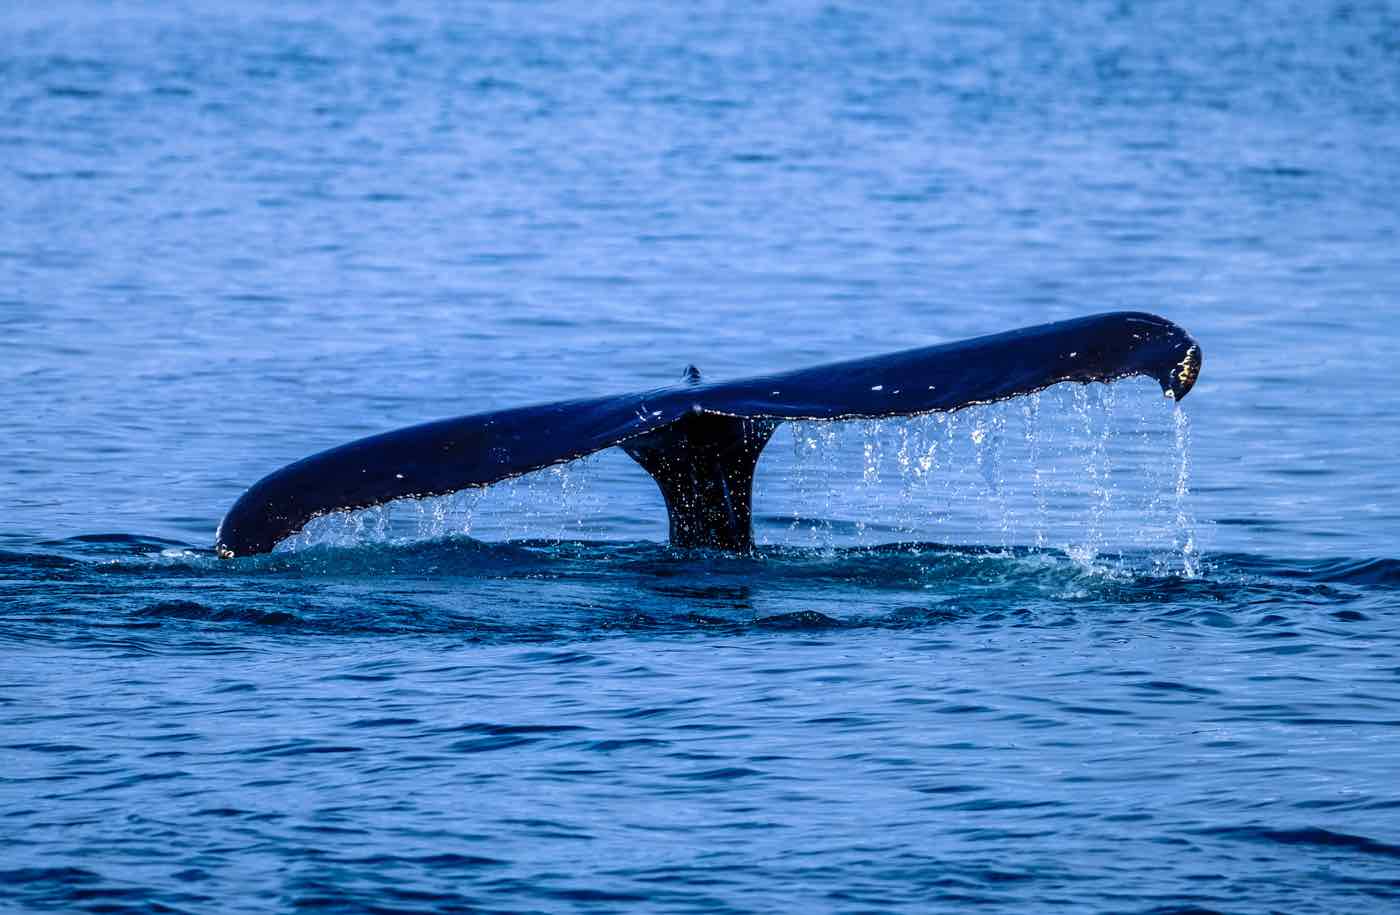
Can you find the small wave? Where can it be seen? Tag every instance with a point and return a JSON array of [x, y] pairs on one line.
[[1310, 836], [1372, 572], [801, 619], [1368, 572], [196, 612]]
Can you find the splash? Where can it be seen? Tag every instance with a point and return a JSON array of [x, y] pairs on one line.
[[553, 503], [401, 521], [1185, 521], [1093, 406]]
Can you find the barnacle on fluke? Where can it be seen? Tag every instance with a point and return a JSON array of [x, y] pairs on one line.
[[1187, 371]]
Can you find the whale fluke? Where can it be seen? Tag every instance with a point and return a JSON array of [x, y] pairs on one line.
[[701, 440]]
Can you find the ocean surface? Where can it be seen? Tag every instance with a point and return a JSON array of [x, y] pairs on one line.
[[1079, 652]]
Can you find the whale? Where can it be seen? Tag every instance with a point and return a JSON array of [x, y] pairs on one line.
[[700, 440]]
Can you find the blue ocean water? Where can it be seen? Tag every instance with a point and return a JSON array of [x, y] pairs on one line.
[[1082, 652]]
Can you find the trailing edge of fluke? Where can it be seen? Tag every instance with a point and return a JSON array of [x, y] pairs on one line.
[[699, 440]]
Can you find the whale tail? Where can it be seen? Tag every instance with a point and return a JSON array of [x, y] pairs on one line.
[[704, 465], [701, 441]]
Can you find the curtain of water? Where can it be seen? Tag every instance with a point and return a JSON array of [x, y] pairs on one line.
[[1090, 470], [551, 503], [1087, 470]]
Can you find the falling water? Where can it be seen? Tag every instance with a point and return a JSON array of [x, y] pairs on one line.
[[1041, 471]]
